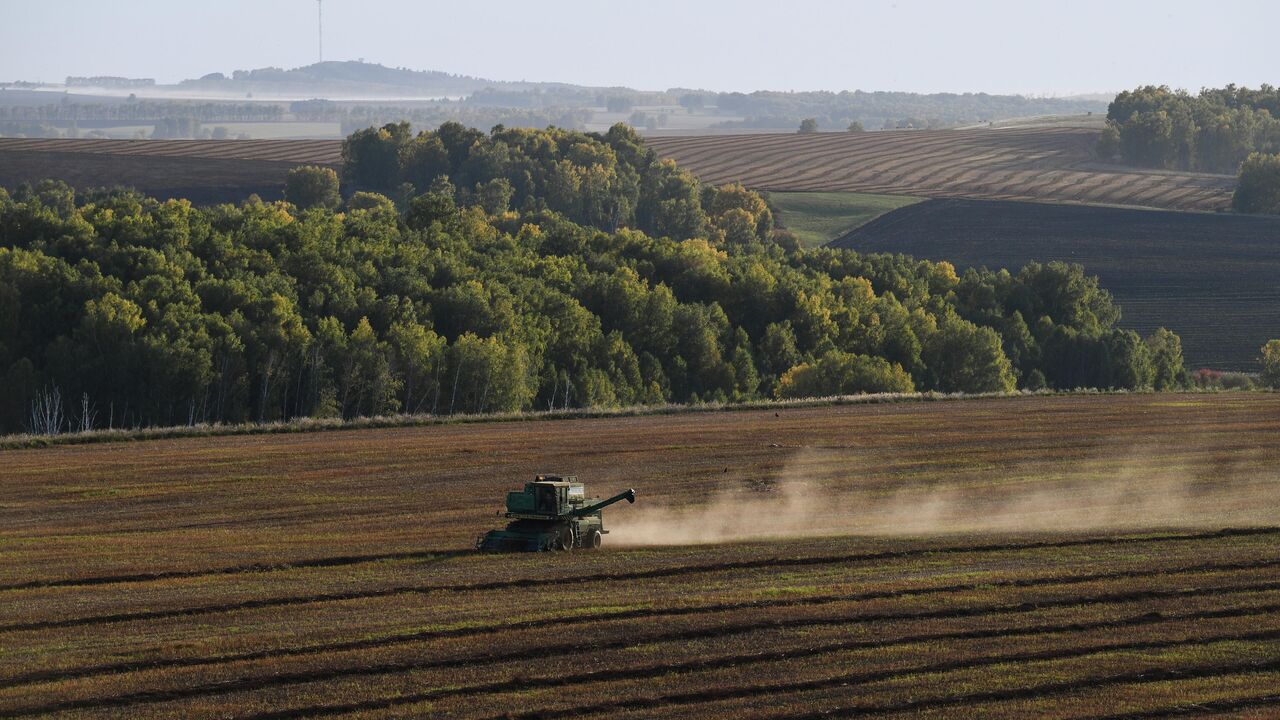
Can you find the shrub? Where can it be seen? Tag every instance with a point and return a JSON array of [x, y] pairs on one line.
[[1271, 364], [841, 373]]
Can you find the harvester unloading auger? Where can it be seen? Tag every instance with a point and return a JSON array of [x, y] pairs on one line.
[[551, 513]]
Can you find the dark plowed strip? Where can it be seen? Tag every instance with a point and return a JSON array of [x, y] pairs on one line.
[[405, 638], [284, 679], [1035, 691], [235, 570], [735, 693], [1143, 677], [663, 572], [517, 684], [1200, 708], [639, 575]]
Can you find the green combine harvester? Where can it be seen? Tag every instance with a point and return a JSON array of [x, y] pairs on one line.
[[551, 513]]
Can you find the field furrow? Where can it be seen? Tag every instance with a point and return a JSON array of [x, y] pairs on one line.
[[1096, 561]]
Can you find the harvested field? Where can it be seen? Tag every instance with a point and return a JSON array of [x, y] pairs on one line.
[[203, 171], [1209, 278], [1053, 164], [316, 152], [1024, 557], [1046, 164]]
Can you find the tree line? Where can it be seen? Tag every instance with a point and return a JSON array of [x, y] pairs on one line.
[[1213, 131], [1222, 130], [455, 271]]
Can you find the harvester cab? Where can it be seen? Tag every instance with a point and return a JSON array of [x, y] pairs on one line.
[[551, 513]]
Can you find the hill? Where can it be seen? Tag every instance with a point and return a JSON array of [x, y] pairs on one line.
[[342, 78], [1048, 164], [1209, 278], [1040, 556], [358, 94]]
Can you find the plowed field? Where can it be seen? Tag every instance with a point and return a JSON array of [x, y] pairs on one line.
[[1049, 164], [1080, 556], [1046, 164], [1209, 278]]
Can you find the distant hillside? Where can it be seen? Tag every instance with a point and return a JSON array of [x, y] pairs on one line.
[[348, 77], [362, 94], [762, 109]]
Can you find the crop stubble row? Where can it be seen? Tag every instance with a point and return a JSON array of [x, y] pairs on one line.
[[1250, 601], [1050, 164], [1047, 164]]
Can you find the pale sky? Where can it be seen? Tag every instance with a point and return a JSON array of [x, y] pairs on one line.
[[1028, 46]]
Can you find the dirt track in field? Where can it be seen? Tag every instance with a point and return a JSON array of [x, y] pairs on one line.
[[329, 574]]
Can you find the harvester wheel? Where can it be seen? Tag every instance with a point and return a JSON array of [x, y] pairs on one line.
[[565, 541], [593, 540]]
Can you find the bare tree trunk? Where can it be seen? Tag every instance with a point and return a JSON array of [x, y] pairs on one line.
[[435, 396], [88, 414], [46, 416], [266, 386], [346, 388], [456, 372]]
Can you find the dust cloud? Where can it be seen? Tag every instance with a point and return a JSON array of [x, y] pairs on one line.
[[821, 494]]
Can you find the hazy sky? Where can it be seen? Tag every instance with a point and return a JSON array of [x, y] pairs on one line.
[[1027, 46]]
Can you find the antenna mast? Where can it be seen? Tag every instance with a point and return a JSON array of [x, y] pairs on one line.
[[320, 26]]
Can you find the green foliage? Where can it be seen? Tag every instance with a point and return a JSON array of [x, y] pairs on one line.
[[371, 158], [841, 373], [1259, 188], [808, 125], [1071, 341], [963, 357], [1168, 371], [1130, 358], [1271, 364], [162, 313], [310, 186], [1213, 131]]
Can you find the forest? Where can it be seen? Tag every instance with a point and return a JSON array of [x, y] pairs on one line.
[[456, 271]]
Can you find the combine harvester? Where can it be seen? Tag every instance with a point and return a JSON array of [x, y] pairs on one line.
[[551, 513]]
